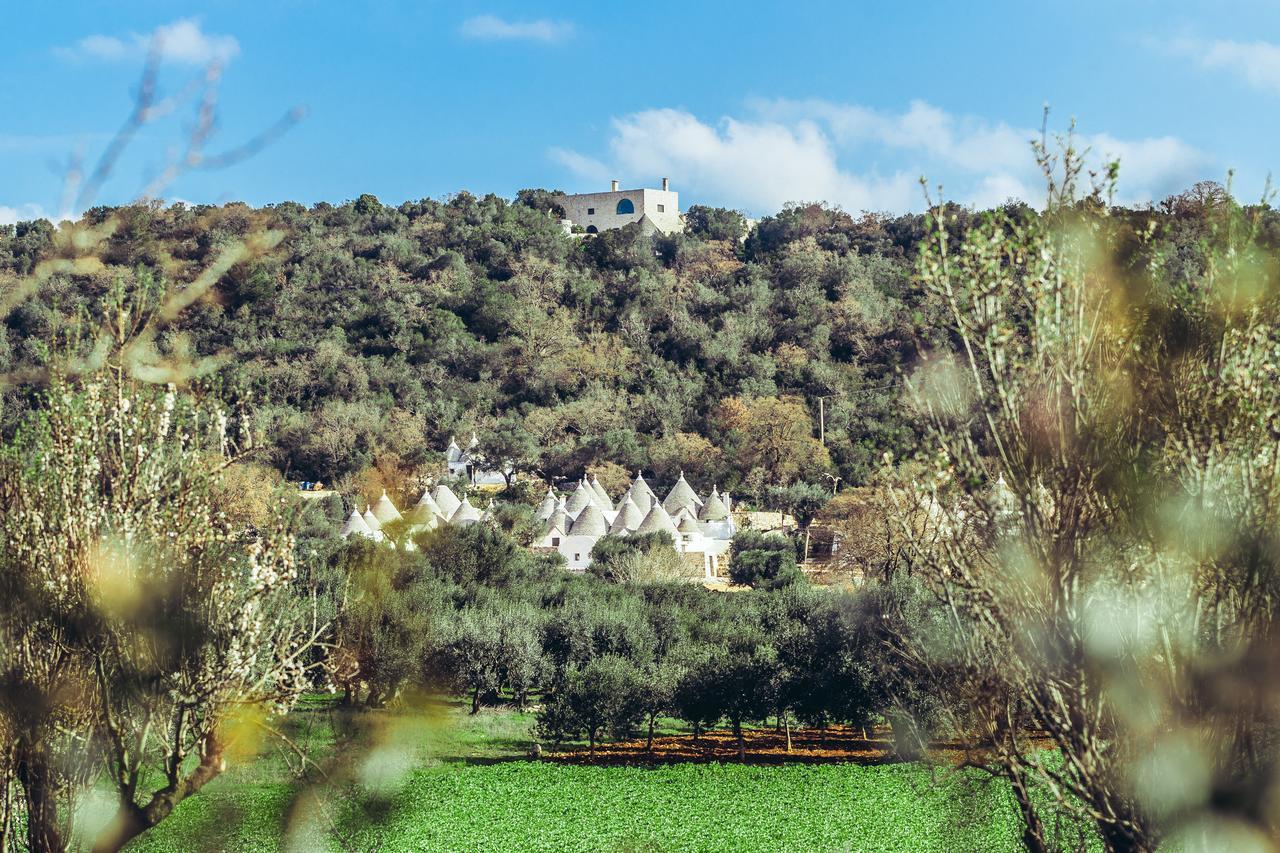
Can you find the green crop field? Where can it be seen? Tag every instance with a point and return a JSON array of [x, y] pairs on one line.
[[468, 789], [520, 805]]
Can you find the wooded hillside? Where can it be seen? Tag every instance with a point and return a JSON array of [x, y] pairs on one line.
[[371, 333]]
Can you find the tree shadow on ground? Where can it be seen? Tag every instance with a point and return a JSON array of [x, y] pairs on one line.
[[832, 745]]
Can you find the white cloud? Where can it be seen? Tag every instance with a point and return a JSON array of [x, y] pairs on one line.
[[1150, 168], [860, 158], [759, 165], [1258, 62], [182, 42], [587, 168], [21, 213], [493, 28]]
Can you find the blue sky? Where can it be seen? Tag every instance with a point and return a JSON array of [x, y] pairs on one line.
[[747, 105]]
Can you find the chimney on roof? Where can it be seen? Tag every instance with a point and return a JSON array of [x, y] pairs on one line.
[[613, 186], [666, 185]]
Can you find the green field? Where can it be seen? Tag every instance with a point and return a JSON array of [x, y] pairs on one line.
[[540, 806], [462, 785]]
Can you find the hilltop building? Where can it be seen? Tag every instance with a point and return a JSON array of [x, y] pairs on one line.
[[658, 210]]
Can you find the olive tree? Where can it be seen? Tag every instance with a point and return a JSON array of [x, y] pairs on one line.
[[143, 629], [1104, 468], [601, 697]]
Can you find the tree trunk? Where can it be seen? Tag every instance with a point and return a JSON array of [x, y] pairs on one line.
[[787, 720], [475, 701], [6, 824], [130, 820], [1033, 837], [44, 829], [648, 744], [742, 744], [906, 737], [591, 743]]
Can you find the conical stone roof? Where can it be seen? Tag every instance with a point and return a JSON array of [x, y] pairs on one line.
[[372, 521], [688, 526], [425, 513], [465, 514], [605, 503], [453, 453], [590, 523], [681, 495], [639, 484], [714, 509], [421, 518], [628, 518], [559, 520], [657, 521], [642, 498], [548, 505], [355, 526], [385, 511], [581, 498], [446, 500], [681, 514], [429, 503]]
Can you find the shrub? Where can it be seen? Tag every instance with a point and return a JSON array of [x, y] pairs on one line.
[[635, 558], [763, 560]]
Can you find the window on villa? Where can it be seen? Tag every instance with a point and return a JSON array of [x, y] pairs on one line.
[[591, 211], [662, 208], [625, 206], [577, 557], [555, 540]]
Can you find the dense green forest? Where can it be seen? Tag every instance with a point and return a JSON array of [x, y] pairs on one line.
[[370, 334]]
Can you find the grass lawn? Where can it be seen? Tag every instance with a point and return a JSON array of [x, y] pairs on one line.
[[455, 782]]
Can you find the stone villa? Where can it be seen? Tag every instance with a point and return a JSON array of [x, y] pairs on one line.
[[658, 210]]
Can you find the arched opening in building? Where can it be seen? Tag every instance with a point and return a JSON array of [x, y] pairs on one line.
[[625, 206], [591, 229]]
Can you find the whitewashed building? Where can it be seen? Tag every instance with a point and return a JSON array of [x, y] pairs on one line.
[[699, 529], [471, 465], [596, 212]]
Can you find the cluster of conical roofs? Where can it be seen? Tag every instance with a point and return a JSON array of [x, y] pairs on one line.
[[589, 511], [574, 521], [434, 508]]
